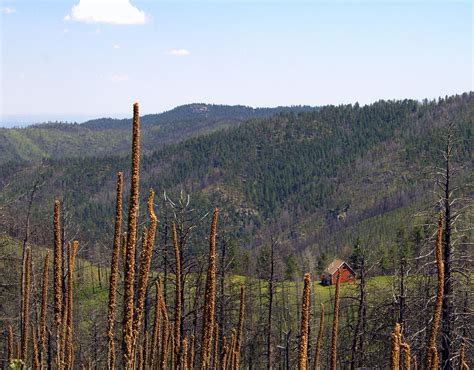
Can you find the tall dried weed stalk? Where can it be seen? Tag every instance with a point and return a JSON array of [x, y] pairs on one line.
[[44, 302], [148, 243], [303, 345], [112, 306], [35, 354], [406, 355], [432, 353], [395, 340], [11, 345], [210, 296], [184, 355], [129, 263]]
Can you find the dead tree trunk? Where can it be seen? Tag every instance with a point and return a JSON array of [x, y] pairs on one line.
[[447, 319], [270, 308], [357, 347]]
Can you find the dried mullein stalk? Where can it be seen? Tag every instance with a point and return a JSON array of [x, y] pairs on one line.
[[112, 307], [129, 264], [432, 353], [44, 302], [210, 296], [11, 345], [36, 360], [223, 353], [145, 351], [305, 302], [406, 356], [215, 351], [184, 355], [395, 348]]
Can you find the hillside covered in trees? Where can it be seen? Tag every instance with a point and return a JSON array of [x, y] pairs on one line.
[[108, 136], [315, 180], [289, 192]]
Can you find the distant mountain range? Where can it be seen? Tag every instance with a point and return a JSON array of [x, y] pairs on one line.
[[105, 136]]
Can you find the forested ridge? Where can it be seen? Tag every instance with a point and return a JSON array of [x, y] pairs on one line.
[[212, 259], [108, 136], [302, 174]]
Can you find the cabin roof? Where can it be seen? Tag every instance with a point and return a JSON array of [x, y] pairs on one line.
[[336, 264]]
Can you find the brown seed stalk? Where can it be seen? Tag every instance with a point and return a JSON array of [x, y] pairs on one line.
[[11, 344], [406, 356], [44, 302], [210, 296], [145, 351], [215, 351], [129, 266], [223, 353], [184, 355], [432, 353], [303, 345], [112, 307], [395, 348], [36, 360]]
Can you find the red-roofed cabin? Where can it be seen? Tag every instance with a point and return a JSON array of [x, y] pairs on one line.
[[329, 276]]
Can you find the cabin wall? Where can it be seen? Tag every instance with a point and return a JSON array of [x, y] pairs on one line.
[[346, 275]]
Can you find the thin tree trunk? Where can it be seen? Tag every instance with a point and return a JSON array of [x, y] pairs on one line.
[[270, 309]]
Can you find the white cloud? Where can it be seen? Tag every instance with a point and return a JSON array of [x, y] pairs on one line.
[[106, 11], [119, 78], [116, 46], [178, 52], [7, 10]]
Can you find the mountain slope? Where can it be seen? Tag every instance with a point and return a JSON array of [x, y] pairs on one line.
[[314, 179], [107, 136]]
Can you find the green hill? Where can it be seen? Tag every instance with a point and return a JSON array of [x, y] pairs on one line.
[[107, 136], [313, 179]]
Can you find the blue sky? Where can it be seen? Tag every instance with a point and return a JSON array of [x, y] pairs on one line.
[[60, 61]]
